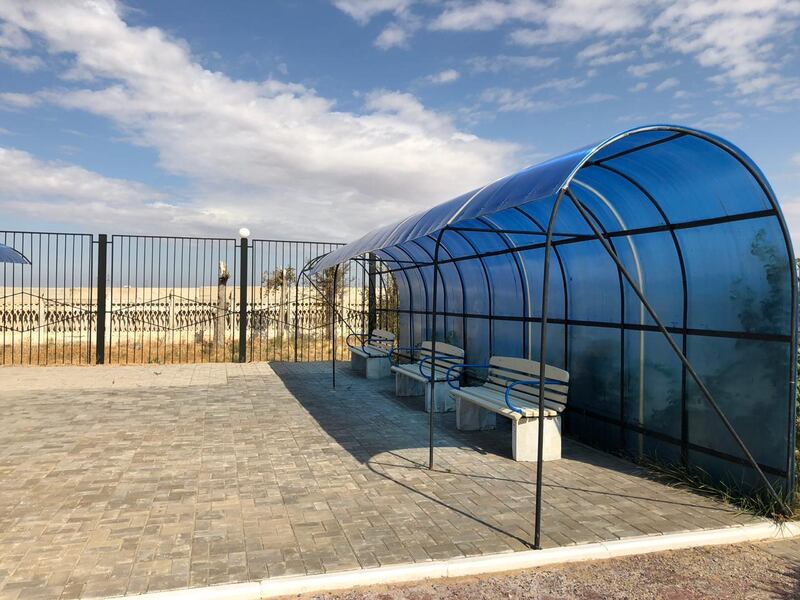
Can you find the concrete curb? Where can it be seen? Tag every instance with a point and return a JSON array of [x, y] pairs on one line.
[[480, 565]]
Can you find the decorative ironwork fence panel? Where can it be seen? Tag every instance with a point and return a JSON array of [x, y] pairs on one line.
[[47, 309], [171, 299], [134, 299]]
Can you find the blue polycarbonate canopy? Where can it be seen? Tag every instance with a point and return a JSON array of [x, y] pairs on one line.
[[9, 255], [693, 222]]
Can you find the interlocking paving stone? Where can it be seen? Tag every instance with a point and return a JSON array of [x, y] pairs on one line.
[[123, 480]]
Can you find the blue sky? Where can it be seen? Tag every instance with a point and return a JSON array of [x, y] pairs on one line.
[[320, 119]]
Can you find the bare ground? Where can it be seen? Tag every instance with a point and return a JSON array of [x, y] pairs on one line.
[[751, 571]]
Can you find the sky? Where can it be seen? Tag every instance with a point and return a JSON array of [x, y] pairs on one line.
[[323, 119]]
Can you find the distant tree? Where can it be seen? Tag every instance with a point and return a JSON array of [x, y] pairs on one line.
[[278, 278], [324, 282]]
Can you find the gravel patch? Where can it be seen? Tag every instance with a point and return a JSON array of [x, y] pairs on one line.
[[743, 571]]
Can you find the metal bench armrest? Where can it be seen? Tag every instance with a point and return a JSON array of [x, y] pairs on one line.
[[514, 384], [427, 358], [360, 337]]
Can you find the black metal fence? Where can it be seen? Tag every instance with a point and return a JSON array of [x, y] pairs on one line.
[[134, 299]]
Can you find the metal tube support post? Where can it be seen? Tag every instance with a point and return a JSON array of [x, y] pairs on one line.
[[537, 529], [243, 299], [333, 324], [432, 406], [102, 267], [706, 392]]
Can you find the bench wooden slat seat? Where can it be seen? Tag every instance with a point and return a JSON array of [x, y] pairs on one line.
[[370, 356], [413, 379], [476, 406]]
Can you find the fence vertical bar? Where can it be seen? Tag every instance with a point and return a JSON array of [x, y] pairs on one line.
[[243, 300], [100, 312], [333, 325]]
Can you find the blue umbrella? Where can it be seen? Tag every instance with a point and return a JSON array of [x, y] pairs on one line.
[[9, 255]]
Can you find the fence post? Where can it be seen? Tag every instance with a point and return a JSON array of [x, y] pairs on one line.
[[243, 300], [100, 312], [372, 320]]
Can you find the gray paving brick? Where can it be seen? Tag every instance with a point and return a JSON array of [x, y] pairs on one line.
[[114, 480]]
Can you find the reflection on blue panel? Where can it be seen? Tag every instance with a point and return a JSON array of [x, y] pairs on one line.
[[753, 291], [745, 377]]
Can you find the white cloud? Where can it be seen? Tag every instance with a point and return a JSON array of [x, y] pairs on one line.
[[742, 40], [790, 207], [604, 53], [26, 63], [738, 37], [17, 100], [269, 153], [486, 14], [645, 69], [502, 62], [363, 10], [668, 84], [442, 77], [573, 20], [796, 160], [724, 121], [557, 94], [394, 35], [397, 33], [69, 194], [639, 87], [12, 37]]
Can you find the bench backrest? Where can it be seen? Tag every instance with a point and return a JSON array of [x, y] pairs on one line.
[[380, 338], [446, 356], [504, 370]]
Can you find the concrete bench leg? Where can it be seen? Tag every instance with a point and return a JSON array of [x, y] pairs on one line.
[[358, 363], [470, 417], [378, 367], [525, 439], [444, 402], [374, 367], [406, 386]]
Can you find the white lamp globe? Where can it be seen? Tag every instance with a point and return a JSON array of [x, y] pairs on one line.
[[244, 232]]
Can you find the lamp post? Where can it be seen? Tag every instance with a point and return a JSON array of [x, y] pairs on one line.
[[244, 234]]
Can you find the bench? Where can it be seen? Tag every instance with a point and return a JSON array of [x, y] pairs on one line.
[[414, 379], [511, 390], [369, 353]]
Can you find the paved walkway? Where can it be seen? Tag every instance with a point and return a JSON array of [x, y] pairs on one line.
[[121, 480]]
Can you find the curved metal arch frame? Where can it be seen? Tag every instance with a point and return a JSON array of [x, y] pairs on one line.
[[410, 295], [489, 287], [418, 268], [523, 282], [622, 336], [564, 191], [685, 302], [557, 254], [444, 285], [428, 254], [548, 245]]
